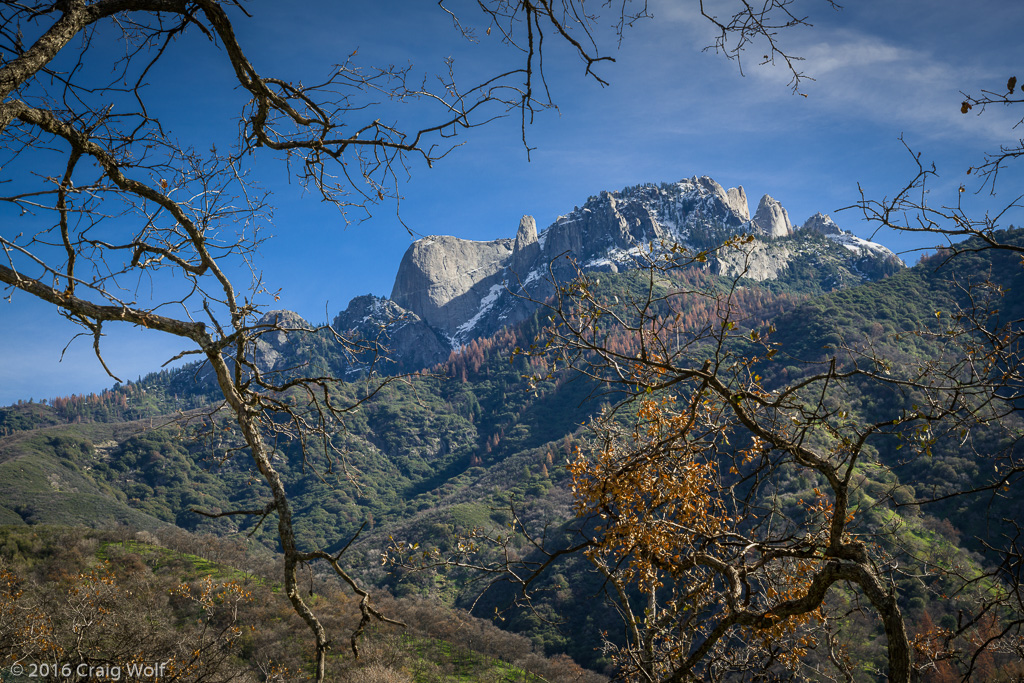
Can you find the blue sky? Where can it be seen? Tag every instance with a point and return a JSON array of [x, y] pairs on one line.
[[882, 69]]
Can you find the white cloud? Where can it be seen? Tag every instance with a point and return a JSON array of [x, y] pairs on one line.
[[860, 67], [909, 89], [857, 52]]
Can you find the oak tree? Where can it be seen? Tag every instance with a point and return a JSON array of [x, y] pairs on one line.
[[113, 219], [681, 486]]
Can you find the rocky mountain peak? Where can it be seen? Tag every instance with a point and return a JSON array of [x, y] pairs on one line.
[[821, 224], [703, 185], [771, 219], [526, 247], [735, 198], [604, 224], [368, 311], [403, 337], [275, 327], [450, 290], [737, 201]]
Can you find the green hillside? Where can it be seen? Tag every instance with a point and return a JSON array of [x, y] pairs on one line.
[[475, 444]]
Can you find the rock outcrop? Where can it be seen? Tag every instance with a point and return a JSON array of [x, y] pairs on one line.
[[603, 225], [526, 248], [699, 202], [450, 290], [389, 334], [771, 219], [275, 328], [442, 279], [758, 261], [821, 224], [738, 202]]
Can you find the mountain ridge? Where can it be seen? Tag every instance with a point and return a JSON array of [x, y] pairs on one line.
[[449, 291]]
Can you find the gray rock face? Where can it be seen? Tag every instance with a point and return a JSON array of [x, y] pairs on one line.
[[699, 202], [737, 201], [758, 261], [527, 233], [449, 290], [603, 224], [442, 279], [771, 219], [275, 326], [405, 341], [709, 201], [526, 247], [821, 224]]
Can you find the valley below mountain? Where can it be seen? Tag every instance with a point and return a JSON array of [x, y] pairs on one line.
[[473, 444]]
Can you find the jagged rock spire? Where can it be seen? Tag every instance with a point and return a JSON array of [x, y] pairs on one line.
[[771, 219], [737, 197], [526, 248]]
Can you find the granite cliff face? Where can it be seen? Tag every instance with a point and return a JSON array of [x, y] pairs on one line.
[[450, 290], [771, 219], [758, 261], [602, 226], [270, 346], [406, 341], [442, 279], [738, 202]]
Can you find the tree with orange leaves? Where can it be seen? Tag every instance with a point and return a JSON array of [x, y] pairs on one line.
[[679, 487], [712, 576]]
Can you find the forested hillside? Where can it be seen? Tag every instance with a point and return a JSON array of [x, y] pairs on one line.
[[82, 604], [477, 447]]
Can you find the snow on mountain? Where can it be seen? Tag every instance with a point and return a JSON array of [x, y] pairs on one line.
[[460, 289]]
